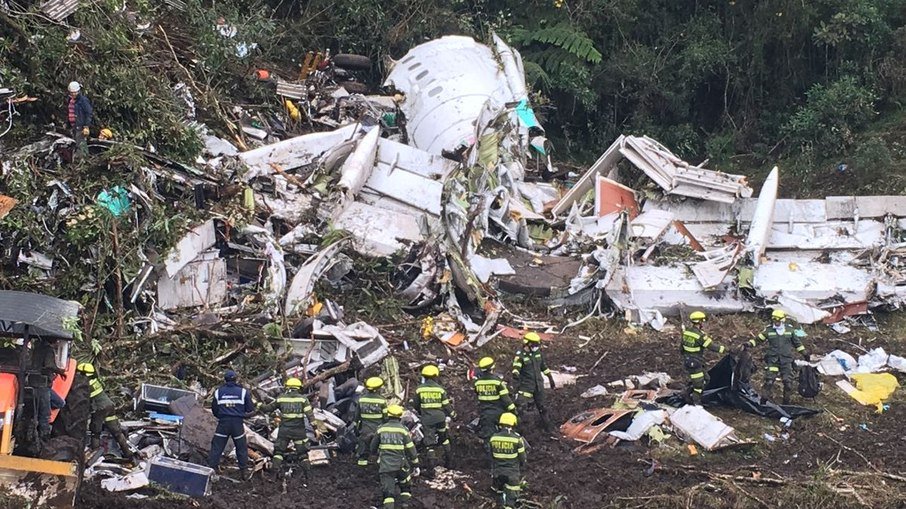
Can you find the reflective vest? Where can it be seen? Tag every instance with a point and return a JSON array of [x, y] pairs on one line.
[[394, 446], [432, 402], [372, 407], [695, 341], [492, 393], [507, 449], [96, 388], [231, 400], [293, 405]]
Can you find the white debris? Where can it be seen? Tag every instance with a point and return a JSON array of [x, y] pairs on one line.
[[837, 363], [695, 423], [597, 390], [642, 422], [873, 361]]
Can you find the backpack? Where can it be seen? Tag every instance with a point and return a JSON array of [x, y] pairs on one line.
[[809, 385]]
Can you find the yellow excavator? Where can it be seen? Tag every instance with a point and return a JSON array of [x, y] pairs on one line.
[[40, 466]]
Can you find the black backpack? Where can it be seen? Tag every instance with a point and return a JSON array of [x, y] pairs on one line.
[[809, 385]]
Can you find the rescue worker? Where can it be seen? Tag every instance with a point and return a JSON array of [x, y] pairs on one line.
[[79, 114], [693, 345], [528, 368], [434, 410], [40, 378], [783, 339], [231, 404], [102, 408], [294, 408], [397, 459], [508, 458], [369, 415], [493, 398]]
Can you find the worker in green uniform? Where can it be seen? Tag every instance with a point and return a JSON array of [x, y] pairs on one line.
[[397, 459], [693, 346], [434, 410], [784, 338], [528, 372], [508, 456], [369, 414], [493, 398], [102, 415], [294, 408]]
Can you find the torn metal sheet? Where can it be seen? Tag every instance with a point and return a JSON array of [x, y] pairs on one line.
[[294, 152], [199, 283], [813, 282], [58, 10], [378, 231], [484, 268], [641, 423], [198, 239], [588, 180], [671, 290], [362, 339], [696, 423], [586, 426], [298, 295], [650, 224], [712, 271]]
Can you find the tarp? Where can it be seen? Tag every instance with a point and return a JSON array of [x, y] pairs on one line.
[[728, 385], [872, 388]]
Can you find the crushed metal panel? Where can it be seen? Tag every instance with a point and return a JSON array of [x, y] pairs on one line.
[[612, 197], [484, 268], [395, 155], [294, 152], [198, 240], [303, 284], [669, 290], [717, 264], [378, 231], [199, 283], [605, 162], [848, 207], [696, 423], [829, 235], [812, 282], [58, 10], [370, 350], [586, 426], [406, 187], [650, 224]]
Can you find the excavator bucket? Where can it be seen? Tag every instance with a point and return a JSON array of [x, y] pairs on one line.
[[37, 482]]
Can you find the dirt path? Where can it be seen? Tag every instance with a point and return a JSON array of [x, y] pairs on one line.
[[838, 458]]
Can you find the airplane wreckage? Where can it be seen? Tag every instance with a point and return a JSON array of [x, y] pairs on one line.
[[455, 190]]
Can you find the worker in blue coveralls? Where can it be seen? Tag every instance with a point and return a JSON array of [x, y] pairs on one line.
[[231, 404]]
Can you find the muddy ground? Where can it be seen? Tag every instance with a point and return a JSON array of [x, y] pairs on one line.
[[847, 456]]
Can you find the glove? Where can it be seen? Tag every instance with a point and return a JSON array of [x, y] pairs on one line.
[[63, 375], [745, 346], [805, 354], [85, 131], [551, 380], [416, 472]]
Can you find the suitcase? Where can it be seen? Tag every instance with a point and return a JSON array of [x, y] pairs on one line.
[[181, 477]]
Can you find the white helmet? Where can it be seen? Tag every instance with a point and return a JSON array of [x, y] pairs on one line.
[[74, 86]]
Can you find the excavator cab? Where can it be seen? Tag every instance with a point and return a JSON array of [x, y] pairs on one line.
[[40, 462]]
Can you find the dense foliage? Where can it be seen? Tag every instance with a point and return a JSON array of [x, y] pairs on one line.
[[743, 82]]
